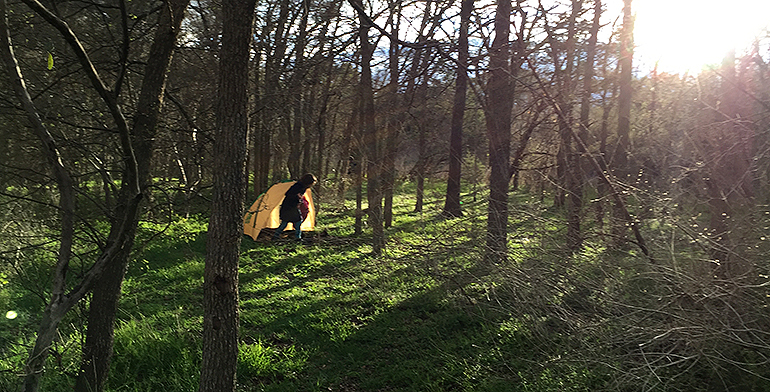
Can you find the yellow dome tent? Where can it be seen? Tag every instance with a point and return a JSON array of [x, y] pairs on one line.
[[264, 213]]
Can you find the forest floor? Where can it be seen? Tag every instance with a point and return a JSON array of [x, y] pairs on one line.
[[326, 315]]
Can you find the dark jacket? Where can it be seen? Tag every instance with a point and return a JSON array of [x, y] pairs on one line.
[[290, 206]]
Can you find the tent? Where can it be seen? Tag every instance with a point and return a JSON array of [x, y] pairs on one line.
[[264, 213]]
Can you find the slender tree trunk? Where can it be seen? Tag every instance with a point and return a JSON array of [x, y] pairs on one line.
[[602, 189], [498, 120], [588, 74], [121, 232], [98, 347], [275, 112], [261, 134], [325, 73], [391, 138], [220, 275], [59, 304], [729, 177], [295, 132], [308, 125], [574, 183], [620, 158], [347, 163], [452, 207], [414, 93], [518, 155], [370, 136], [588, 80], [419, 170]]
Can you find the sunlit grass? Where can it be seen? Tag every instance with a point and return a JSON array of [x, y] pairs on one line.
[[427, 315]]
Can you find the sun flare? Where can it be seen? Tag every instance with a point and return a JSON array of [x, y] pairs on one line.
[[686, 35]]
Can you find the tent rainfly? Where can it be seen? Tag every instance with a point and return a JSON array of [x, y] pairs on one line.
[[264, 213]]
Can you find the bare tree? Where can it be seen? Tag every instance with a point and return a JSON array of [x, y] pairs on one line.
[[499, 103], [392, 118], [452, 202], [370, 136], [620, 157], [122, 230], [570, 193], [97, 350]]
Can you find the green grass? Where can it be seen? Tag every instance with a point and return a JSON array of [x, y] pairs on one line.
[[428, 315]]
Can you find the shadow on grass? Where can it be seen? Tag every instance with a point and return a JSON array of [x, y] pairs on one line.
[[365, 324], [330, 317]]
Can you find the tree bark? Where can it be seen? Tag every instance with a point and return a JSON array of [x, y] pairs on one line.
[[298, 78], [370, 135], [220, 275], [498, 120], [391, 138], [452, 207], [275, 110]]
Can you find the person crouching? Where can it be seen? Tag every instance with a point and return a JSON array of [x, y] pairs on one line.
[[291, 210]]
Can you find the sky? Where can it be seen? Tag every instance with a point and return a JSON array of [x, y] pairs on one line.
[[685, 35]]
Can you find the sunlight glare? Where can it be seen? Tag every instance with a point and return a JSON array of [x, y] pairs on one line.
[[686, 35]]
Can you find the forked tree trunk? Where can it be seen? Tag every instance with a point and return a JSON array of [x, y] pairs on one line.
[[98, 347], [121, 232]]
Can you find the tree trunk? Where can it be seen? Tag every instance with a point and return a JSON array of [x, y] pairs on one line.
[[58, 305], [498, 120], [620, 158], [275, 110], [728, 177], [295, 132], [452, 207], [419, 170], [347, 164], [391, 138], [602, 190], [97, 350], [588, 80], [370, 135], [220, 275], [574, 181], [261, 135], [126, 211]]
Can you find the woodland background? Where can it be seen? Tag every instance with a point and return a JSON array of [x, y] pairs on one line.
[[579, 223]]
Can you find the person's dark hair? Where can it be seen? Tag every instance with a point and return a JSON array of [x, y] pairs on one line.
[[307, 180]]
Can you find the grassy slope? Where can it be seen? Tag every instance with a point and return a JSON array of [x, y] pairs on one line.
[[328, 316], [427, 316]]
